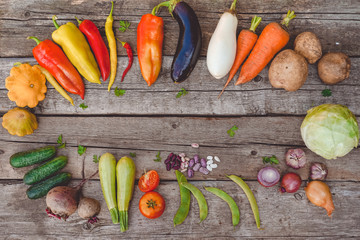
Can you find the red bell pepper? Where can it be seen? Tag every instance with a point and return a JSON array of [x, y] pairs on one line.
[[89, 29], [52, 58], [150, 35]]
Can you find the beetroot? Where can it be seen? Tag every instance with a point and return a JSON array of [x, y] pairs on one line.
[[62, 201]]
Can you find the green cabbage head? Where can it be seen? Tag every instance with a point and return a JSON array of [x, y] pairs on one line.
[[330, 130]]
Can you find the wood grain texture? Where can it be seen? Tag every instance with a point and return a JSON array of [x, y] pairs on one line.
[[285, 217], [336, 25], [240, 155], [254, 98]]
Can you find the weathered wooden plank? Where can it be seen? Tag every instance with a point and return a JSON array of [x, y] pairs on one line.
[[146, 136], [330, 22], [254, 98], [281, 215]]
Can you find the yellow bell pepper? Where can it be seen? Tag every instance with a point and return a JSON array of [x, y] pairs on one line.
[[76, 48]]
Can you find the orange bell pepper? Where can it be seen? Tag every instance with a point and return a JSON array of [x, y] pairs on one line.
[[150, 35]]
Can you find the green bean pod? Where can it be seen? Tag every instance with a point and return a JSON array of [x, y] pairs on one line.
[[235, 213], [184, 207], [203, 207], [250, 196]]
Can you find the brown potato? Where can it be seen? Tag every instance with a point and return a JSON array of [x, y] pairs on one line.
[[334, 68], [308, 45], [288, 70]]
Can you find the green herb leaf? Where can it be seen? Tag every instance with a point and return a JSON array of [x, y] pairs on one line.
[[272, 160], [158, 158], [132, 155], [232, 130], [182, 92], [326, 92], [81, 150], [96, 158], [119, 92], [124, 25], [60, 142], [83, 106]]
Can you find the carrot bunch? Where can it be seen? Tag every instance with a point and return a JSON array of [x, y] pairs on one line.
[[271, 40]]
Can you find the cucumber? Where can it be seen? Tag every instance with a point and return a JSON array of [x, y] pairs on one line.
[[42, 188], [45, 170], [27, 158]]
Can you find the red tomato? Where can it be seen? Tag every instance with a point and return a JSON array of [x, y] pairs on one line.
[[149, 181], [152, 205]]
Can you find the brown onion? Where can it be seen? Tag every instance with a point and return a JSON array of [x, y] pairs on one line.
[[319, 194]]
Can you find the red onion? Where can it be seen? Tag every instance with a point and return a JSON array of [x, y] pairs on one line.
[[268, 176], [295, 158], [318, 171], [290, 183]]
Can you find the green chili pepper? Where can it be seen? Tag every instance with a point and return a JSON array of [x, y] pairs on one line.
[[184, 208], [203, 207], [250, 197], [229, 200]]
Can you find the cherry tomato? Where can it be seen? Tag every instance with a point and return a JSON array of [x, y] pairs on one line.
[[152, 205], [149, 181]]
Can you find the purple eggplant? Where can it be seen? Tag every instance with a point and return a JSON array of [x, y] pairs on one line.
[[189, 43]]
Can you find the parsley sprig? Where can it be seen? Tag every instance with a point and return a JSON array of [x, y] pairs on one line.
[[96, 158], [83, 106], [60, 142], [119, 92], [81, 150], [182, 92], [326, 92], [273, 160], [124, 25], [158, 158], [232, 130]]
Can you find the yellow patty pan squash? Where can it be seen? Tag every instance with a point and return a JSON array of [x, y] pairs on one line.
[[19, 121], [26, 85]]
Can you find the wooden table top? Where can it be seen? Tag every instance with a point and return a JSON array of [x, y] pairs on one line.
[[146, 120]]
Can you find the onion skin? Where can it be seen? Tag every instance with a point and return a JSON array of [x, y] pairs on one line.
[[319, 194], [290, 183]]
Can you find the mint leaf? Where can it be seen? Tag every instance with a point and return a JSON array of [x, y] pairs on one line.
[[158, 158], [81, 150], [271, 160], [232, 130], [119, 92], [83, 106], [182, 92]]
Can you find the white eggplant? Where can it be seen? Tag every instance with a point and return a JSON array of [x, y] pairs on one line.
[[222, 47]]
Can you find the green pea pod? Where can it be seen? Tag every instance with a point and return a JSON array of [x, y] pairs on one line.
[[250, 197], [203, 207], [184, 207], [235, 213]]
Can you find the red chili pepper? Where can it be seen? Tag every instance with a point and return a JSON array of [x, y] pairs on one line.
[[98, 46], [129, 52], [52, 58]]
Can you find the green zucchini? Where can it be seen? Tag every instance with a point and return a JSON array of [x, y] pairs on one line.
[[42, 188], [27, 158], [45, 170], [125, 176]]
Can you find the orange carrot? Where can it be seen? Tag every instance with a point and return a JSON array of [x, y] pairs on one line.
[[272, 39], [245, 43]]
